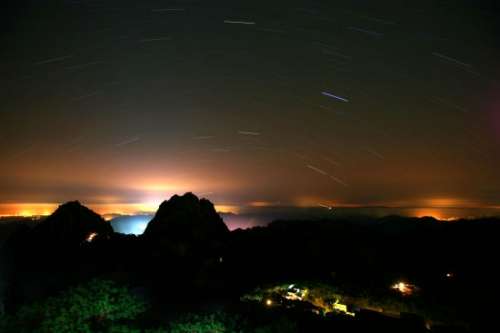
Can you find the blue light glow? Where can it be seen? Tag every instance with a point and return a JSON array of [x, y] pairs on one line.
[[131, 224]]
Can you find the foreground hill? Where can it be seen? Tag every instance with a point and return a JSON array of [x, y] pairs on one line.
[[186, 222], [71, 224], [187, 255]]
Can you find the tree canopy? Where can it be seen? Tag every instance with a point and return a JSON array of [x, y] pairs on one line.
[[92, 307]]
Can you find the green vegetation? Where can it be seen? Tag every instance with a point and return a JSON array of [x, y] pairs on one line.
[[101, 306], [98, 306], [221, 322], [279, 326], [209, 323]]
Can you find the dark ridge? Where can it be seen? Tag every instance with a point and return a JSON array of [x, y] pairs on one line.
[[71, 223], [187, 218]]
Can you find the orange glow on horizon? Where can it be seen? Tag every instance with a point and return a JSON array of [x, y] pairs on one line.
[[448, 203], [432, 212], [45, 209], [27, 209], [264, 204], [438, 208], [227, 209], [310, 202]]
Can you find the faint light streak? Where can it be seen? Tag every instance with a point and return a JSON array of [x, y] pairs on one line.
[[325, 93], [325, 206], [450, 59], [449, 104], [318, 170], [379, 20], [239, 22], [331, 161], [368, 32], [158, 39], [84, 65], [324, 173], [127, 142], [338, 180], [91, 94], [340, 55], [160, 10], [249, 133], [48, 61], [328, 49], [375, 153]]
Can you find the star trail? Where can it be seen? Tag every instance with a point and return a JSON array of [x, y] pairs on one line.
[[121, 104]]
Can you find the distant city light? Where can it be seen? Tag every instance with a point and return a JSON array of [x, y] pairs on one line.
[[134, 225], [269, 302]]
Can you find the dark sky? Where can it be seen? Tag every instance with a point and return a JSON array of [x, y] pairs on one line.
[[250, 103]]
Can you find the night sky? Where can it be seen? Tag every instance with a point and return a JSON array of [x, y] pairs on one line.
[[121, 104]]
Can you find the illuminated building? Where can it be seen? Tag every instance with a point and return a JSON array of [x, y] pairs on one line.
[[404, 288]]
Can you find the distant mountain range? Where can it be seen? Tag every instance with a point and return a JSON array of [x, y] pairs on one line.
[[181, 217], [186, 244]]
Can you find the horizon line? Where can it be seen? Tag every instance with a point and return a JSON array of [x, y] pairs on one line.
[[244, 209]]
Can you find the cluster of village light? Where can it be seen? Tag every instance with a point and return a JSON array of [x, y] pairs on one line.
[[294, 293]]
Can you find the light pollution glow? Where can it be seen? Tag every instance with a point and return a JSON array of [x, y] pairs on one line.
[[257, 129], [439, 208], [43, 209]]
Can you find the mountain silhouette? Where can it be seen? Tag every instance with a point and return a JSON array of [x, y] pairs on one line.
[[72, 223], [186, 222], [184, 246], [58, 252]]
